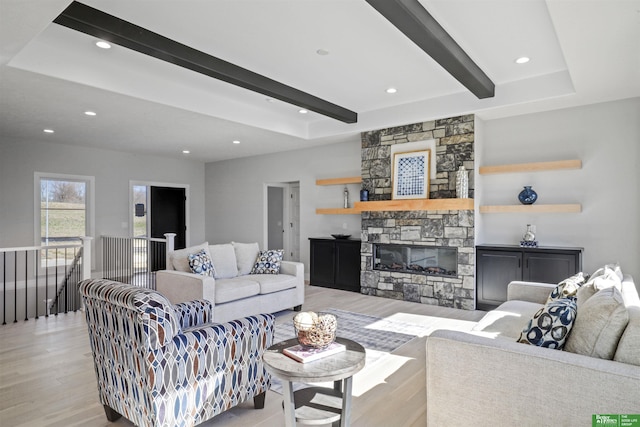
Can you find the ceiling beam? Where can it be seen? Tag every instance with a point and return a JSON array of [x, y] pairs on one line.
[[412, 19], [107, 27]]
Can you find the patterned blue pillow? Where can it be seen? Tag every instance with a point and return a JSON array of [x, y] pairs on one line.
[[568, 288], [551, 325], [268, 262], [201, 263]]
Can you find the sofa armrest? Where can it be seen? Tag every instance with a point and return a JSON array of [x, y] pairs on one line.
[[529, 291], [483, 381], [292, 268], [179, 286], [194, 313]]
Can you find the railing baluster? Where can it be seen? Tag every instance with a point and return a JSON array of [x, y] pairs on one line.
[[36, 264], [26, 285], [65, 289], [56, 285], [4, 288], [46, 286], [15, 287]]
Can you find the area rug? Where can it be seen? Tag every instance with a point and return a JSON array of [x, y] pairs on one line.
[[378, 336]]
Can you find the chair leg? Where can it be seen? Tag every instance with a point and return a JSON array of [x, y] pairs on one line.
[[297, 308], [111, 414], [258, 400]]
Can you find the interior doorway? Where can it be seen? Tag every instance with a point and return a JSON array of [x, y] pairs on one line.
[[158, 209], [282, 218], [167, 206]]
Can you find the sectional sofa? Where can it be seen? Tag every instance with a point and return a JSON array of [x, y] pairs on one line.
[[487, 378]]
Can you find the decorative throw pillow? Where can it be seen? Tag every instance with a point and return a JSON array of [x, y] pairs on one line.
[[568, 287], [180, 258], [599, 325], [605, 277], [200, 263], [268, 262], [551, 325]]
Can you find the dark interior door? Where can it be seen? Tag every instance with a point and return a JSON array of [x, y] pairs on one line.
[[168, 213]]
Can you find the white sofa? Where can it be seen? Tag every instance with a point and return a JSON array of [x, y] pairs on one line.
[[233, 290], [487, 378]]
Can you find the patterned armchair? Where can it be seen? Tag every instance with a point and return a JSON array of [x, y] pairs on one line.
[[164, 365]]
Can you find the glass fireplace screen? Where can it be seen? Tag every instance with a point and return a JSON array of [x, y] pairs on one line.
[[441, 261]]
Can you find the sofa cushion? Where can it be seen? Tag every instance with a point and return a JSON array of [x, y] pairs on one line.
[[270, 283], [551, 325], [268, 262], [180, 258], [568, 287], [600, 322], [508, 319], [235, 288], [246, 255], [224, 259], [200, 263]]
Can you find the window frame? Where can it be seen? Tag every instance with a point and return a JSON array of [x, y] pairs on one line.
[[89, 204]]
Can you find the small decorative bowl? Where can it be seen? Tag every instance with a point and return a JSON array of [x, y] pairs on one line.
[[315, 330], [341, 236]]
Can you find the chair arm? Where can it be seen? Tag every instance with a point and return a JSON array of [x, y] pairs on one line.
[[225, 358], [194, 313], [483, 381], [179, 286], [529, 291]]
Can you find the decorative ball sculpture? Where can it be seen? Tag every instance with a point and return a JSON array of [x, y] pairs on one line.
[[315, 330]]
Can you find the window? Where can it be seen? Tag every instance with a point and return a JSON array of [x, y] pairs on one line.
[[64, 205], [140, 204]]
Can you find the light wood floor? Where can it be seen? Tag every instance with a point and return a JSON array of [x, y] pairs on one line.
[[47, 376]]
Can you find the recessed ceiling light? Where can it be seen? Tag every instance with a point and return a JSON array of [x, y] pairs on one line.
[[522, 60], [322, 52], [392, 90], [103, 44], [303, 111], [48, 131], [186, 151], [90, 113], [236, 142]]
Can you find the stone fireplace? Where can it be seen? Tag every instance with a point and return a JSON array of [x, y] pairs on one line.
[[424, 256]]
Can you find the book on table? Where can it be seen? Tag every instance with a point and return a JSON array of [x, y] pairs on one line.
[[306, 354]]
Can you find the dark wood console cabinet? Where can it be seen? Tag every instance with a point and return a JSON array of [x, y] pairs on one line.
[[335, 263], [497, 265]]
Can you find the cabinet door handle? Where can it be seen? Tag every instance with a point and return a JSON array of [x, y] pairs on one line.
[[519, 263]]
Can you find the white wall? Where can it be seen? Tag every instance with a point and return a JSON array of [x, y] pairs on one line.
[[606, 137], [235, 193], [112, 171]]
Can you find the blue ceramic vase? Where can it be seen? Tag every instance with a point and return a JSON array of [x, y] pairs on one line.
[[527, 196]]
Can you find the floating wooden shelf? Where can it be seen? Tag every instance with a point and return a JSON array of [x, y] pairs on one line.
[[566, 208], [416, 205], [339, 181], [531, 167], [336, 211]]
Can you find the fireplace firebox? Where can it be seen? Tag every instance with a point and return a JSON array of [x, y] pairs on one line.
[[415, 259]]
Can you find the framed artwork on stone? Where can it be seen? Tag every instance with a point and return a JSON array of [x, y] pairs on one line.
[[411, 175]]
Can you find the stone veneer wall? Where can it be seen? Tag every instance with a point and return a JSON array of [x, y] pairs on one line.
[[454, 139], [454, 147]]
